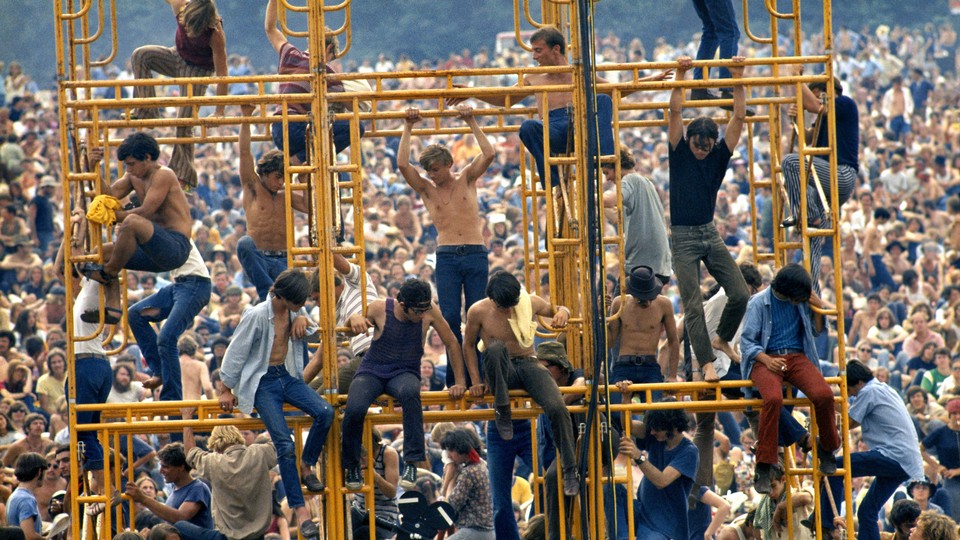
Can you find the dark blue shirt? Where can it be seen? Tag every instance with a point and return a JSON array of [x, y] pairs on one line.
[[195, 492], [789, 328], [848, 132], [694, 183], [665, 510]]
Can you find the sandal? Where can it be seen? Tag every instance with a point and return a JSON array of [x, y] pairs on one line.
[[96, 272], [111, 316]]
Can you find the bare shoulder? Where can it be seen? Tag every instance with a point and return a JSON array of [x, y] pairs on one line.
[[479, 309], [665, 304], [617, 302], [165, 176]]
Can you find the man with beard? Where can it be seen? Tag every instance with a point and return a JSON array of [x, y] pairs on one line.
[[125, 389]]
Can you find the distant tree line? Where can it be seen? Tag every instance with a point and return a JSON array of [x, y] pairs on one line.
[[422, 28]]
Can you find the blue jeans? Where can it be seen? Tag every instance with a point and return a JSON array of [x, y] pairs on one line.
[[44, 238], [888, 476], [501, 456], [177, 304], [637, 374], [276, 388], [462, 273], [531, 134], [166, 250], [261, 269], [189, 531], [298, 137], [616, 511], [93, 387], [899, 126], [720, 31]]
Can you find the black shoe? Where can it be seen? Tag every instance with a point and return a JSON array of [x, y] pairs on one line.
[[702, 94], [312, 483], [809, 523], [504, 423], [790, 221], [408, 480], [571, 482], [828, 464], [353, 478], [761, 479], [309, 530], [727, 94]]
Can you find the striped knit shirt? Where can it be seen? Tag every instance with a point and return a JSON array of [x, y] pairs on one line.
[[351, 302]]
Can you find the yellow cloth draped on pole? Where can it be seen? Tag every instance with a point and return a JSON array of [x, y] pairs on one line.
[[103, 210]]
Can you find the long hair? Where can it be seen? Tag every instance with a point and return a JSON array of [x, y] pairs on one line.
[[198, 15], [223, 437]]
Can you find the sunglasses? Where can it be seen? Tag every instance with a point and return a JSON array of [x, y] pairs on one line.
[[705, 145]]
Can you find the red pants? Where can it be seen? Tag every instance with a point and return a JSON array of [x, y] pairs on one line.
[[805, 377]]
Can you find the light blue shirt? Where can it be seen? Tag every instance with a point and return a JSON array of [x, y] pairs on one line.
[[248, 354], [758, 327], [887, 426]]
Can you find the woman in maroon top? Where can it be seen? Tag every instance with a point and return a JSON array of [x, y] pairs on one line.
[[200, 51]]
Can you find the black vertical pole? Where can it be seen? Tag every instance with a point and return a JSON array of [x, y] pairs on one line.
[[594, 241]]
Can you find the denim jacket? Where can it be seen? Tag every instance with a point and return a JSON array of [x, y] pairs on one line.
[[758, 327], [246, 359]]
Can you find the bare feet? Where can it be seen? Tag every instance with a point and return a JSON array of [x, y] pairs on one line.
[[724, 346], [709, 374], [152, 383]]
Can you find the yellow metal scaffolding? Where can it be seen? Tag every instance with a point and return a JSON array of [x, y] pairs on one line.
[[565, 254]]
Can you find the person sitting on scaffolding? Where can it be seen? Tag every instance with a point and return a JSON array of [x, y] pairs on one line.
[[392, 366], [848, 165], [263, 368], [200, 51], [549, 49], [506, 321], [153, 237], [293, 61], [778, 345]]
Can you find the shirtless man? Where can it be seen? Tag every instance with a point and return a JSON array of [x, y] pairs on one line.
[[451, 199], [863, 321], [155, 236], [263, 252], [33, 425], [196, 376], [549, 49], [263, 368], [873, 248], [510, 362], [52, 483], [644, 315]]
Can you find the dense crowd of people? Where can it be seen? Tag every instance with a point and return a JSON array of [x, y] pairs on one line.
[[450, 305]]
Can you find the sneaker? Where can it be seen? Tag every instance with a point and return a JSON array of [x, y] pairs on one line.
[[309, 530], [354, 478], [571, 482], [504, 423], [761, 481], [409, 478], [828, 464], [312, 483], [702, 94]]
